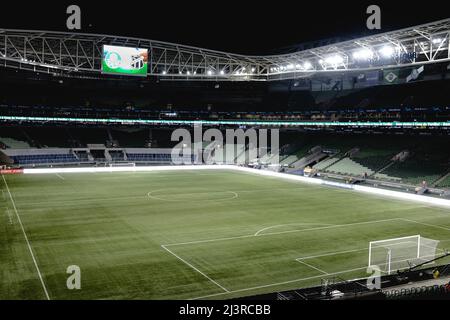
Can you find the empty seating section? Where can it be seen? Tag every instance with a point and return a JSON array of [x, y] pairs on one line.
[[375, 159], [14, 144], [415, 171], [366, 161], [117, 155], [149, 157], [444, 183], [326, 163], [288, 160], [372, 154], [350, 167], [427, 162], [131, 138], [82, 156], [44, 159]]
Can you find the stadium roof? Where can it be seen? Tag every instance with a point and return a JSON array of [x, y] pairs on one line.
[[76, 53]]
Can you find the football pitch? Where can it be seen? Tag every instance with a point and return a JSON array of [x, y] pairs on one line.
[[191, 234]]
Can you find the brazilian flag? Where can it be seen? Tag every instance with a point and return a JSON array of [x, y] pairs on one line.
[[391, 76]]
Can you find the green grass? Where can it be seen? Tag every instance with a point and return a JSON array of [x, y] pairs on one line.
[[194, 236]]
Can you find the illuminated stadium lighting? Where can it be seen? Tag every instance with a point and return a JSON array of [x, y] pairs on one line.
[[438, 41], [222, 72], [307, 65], [253, 70], [363, 54], [335, 60], [387, 51], [209, 72], [164, 72], [188, 73]]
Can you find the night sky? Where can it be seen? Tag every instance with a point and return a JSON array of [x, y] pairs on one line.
[[248, 27]]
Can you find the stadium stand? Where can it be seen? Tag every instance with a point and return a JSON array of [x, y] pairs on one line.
[[14, 144], [350, 167], [44, 159], [445, 182]]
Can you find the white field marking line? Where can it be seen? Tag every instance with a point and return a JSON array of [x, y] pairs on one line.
[[26, 239], [278, 233], [291, 224], [332, 254], [34, 204], [426, 224], [196, 269], [299, 260], [140, 197], [60, 176], [357, 188], [132, 197], [312, 267], [292, 281], [234, 195], [348, 251], [278, 284]]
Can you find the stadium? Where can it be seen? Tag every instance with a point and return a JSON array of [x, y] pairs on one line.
[[150, 170]]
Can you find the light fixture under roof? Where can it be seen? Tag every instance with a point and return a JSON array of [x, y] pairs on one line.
[[363, 54], [334, 60], [387, 51]]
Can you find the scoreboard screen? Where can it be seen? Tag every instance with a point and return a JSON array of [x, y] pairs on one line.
[[125, 61]]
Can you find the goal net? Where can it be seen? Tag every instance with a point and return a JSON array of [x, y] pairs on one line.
[[401, 253]]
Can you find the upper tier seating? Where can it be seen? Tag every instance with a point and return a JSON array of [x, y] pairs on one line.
[[14, 143]]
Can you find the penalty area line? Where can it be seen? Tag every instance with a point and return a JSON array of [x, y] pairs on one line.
[[26, 239], [60, 176], [196, 269], [278, 284], [312, 267]]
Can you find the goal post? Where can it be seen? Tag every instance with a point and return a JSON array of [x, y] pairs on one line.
[[391, 255]]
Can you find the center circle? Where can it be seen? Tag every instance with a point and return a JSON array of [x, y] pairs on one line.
[[168, 195]]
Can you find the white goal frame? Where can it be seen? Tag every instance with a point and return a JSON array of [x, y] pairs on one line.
[[389, 257]]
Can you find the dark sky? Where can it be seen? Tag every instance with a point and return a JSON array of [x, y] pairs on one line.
[[252, 27]]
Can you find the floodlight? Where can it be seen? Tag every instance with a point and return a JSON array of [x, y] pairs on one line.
[[307, 65], [363, 54], [438, 40], [336, 59], [387, 51]]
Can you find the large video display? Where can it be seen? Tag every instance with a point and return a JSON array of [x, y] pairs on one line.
[[125, 60]]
